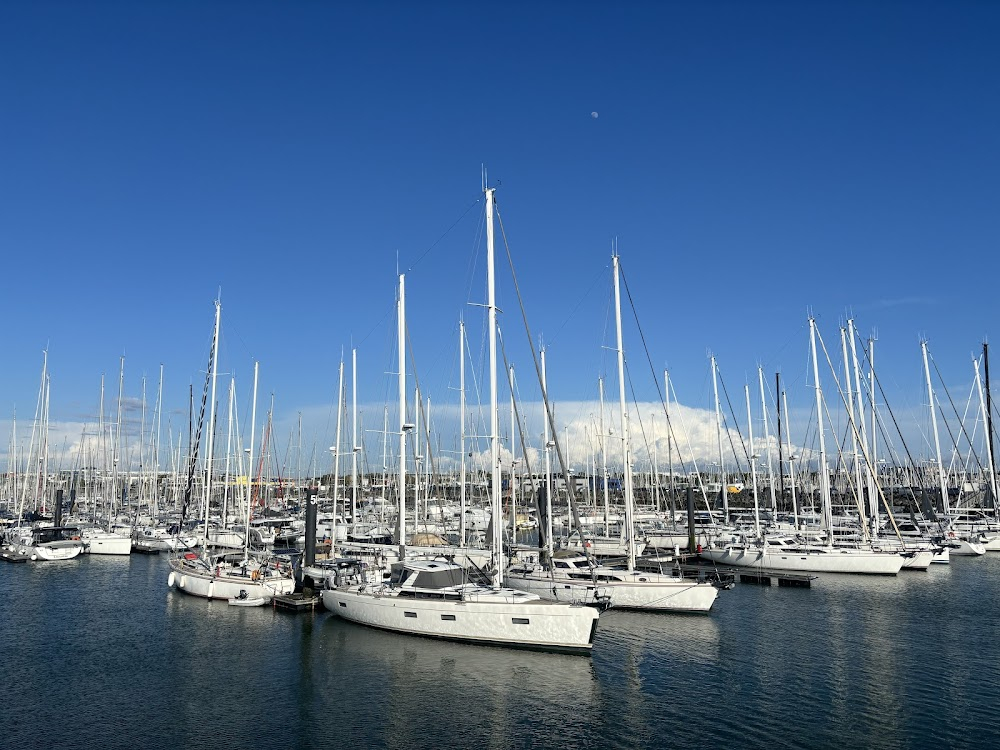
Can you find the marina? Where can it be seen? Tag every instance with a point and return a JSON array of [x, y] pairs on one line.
[[893, 662], [528, 376]]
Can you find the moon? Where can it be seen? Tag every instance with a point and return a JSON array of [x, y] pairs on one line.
[[594, 115]]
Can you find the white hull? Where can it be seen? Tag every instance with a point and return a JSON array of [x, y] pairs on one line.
[[248, 602], [645, 591], [537, 624], [103, 543], [965, 548], [227, 585], [992, 544], [919, 560], [807, 559], [54, 551]]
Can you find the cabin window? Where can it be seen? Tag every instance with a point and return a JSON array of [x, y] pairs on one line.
[[410, 614], [519, 620], [343, 604], [450, 618], [440, 579]]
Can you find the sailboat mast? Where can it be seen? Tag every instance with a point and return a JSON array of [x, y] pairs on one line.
[[461, 439], [211, 417], [791, 464], [753, 463], [116, 454], [156, 444], [403, 426], [229, 453], [989, 443], [355, 445], [767, 439], [863, 429], [494, 415], [604, 457], [989, 426], [250, 476], [849, 399], [937, 441], [548, 477], [626, 453], [824, 472], [336, 446], [718, 427], [781, 457]]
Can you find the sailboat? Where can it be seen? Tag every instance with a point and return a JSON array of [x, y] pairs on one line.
[[786, 554], [227, 575], [626, 587], [437, 598]]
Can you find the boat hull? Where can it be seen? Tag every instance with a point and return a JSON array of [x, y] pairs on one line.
[[807, 559], [107, 544], [208, 585], [55, 551], [537, 625]]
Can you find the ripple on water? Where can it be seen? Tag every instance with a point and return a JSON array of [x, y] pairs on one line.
[[98, 653]]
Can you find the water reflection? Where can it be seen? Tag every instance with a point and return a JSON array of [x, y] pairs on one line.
[[485, 696], [902, 662]]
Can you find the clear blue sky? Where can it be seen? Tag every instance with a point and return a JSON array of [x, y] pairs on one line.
[[753, 160]]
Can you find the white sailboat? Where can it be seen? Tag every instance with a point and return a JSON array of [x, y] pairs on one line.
[[436, 598], [621, 587], [784, 554], [228, 575]]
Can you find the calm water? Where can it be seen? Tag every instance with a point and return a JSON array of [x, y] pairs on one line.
[[98, 653]]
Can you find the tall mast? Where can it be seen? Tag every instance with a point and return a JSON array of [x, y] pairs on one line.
[[250, 476], [871, 390], [156, 444], [989, 446], [863, 430], [211, 417], [670, 444], [403, 426], [117, 452], [548, 477], [604, 457], [494, 416], [355, 445], [767, 439], [626, 452], [142, 447], [461, 439], [229, 453], [513, 460], [852, 421], [105, 491], [824, 471], [781, 457], [937, 442], [753, 464], [791, 464], [718, 425], [989, 427], [336, 447]]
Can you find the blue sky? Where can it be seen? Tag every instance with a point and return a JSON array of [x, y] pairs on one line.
[[752, 160]]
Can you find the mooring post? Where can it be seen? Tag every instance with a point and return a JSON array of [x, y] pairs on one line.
[[692, 544], [310, 558]]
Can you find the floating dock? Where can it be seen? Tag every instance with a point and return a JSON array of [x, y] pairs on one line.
[[788, 580], [295, 602]]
